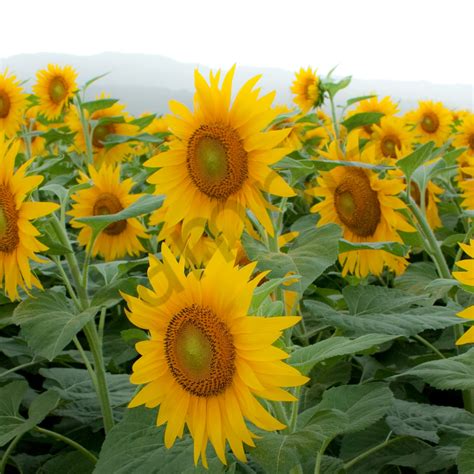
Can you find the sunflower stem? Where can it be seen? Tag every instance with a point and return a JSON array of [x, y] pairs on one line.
[[78, 447], [86, 130], [8, 452], [334, 117], [319, 456]]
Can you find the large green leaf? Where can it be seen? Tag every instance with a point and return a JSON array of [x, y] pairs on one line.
[[71, 462], [465, 459], [136, 446], [49, 321], [410, 163], [306, 357], [12, 424], [310, 254], [454, 373], [362, 119]]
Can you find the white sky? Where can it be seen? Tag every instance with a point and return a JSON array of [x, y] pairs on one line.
[[384, 39]]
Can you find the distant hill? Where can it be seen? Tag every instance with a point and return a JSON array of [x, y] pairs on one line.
[[146, 82]]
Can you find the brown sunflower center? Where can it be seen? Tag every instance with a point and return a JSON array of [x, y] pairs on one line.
[[356, 203], [101, 132], [430, 122], [109, 204], [58, 89], [217, 161], [471, 142], [5, 104], [389, 146], [9, 238], [200, 351]]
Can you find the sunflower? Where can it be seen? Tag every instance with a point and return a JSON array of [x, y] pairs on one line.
[[459, 115], [307, 90], [12, 104], [108, 195], [219, 163], [55, 87], [465, 136], [430, 205], [33, 124], [18, 236], [385, 106], [466, 278], [111, 121], [365, 206], [431, 122], [391, 139], [206, 361], [467, 185]]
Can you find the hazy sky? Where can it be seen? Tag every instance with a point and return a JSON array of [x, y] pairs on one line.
[[384, 39]]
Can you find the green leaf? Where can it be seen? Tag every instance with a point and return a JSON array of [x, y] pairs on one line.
[[325, 422], [395, 248], [465, 460], [71, 462], [415, 159], [310, 254], [407, 323], [49, 321], [455, 373], [264, 290], [94, 79], [99, 104], [143, 122], [306, 357], [136, 446], [361, 120], [334, 87], [363, 404], [359, 99], [146, 204]]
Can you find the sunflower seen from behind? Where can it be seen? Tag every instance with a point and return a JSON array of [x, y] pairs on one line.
[[18, 236], [218, 165], [55, 88], [365, 205], [108, 195], [12, 104], [207, 363], [431, 122], [307, 90], [466, 277]]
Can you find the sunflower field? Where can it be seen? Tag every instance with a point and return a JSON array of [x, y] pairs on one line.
[[235, 287]]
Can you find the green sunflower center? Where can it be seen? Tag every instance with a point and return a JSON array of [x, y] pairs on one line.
[[108, 203], [217, 161], [58, 89], [430, 122], [100, 134], [200, 351], [389, 146], [356, 203], [9, 238], [5, 104]]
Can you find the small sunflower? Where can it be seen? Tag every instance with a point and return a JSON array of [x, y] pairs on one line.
[[391, 138], [385, 106], [33, 124], [55, 87], [12, 104], [18, 236], [466, 278], [307, 90], [465, 136], [114, 122], [467, 185], [108, 195], [432, 122], [207, 362], [219, 163], [365, 206]]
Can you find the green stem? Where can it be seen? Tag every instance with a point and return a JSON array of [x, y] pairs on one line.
[[370, 451], [86, 130], [66, 281], [8, 452], [429, 346], [294, 412], [18, 367], [319, 456], [334, 118], [90, 331], [280, 412], [103, 313], [52, 434], [86, 361]]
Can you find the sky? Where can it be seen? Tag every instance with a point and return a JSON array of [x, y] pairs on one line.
[[384, 39]]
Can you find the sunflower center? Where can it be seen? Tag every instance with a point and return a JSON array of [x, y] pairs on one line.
[[471, 141], [57, 89], [200, 351], [109, 204], [356, 203], [101, 132], [389, 146], [5, 104], [9, 238], [430, 122], [217, 161]]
